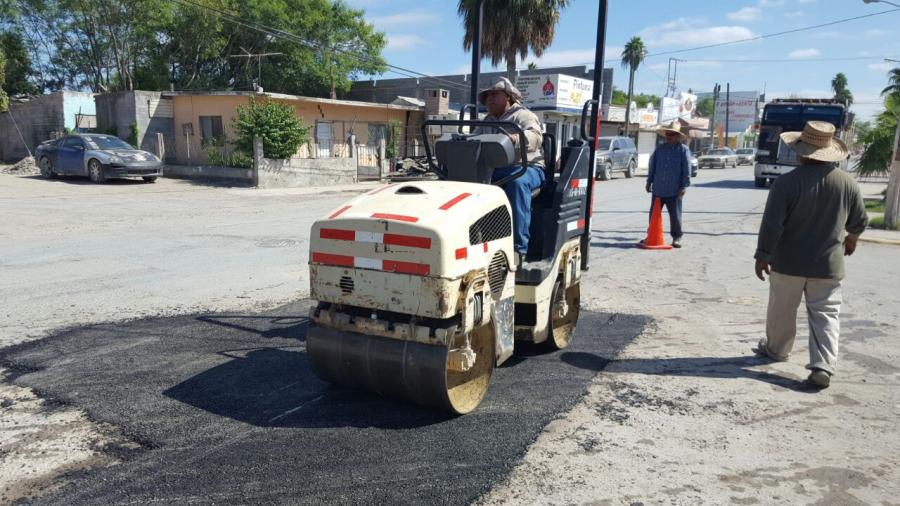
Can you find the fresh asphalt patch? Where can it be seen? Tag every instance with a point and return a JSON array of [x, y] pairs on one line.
[[223, 408]]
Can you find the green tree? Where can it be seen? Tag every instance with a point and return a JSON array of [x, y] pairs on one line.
[[512, 28], [619, 97], [879, 139], [4, 99], [706, 106], [893, 87], [632, 56], [275, 123], [644, 99], [841, 91], [18, 65]]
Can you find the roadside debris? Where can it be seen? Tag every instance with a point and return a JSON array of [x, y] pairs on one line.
[[411, 169], [24, 167]]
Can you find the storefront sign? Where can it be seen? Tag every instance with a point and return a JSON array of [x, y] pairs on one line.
[[558, 92]]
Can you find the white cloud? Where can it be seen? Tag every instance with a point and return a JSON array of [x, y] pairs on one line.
[[804, 53], [875, 32], [659, 67], [403, 42], [689, 32], [745, 14], [419, 18], [884, 66], [570, 57], [805, 1], [793, 14], [771, 3]]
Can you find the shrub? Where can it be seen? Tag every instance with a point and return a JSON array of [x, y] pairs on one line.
[[275, 123]]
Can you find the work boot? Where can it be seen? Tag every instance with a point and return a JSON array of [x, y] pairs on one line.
[[676, 243], [819, 378]]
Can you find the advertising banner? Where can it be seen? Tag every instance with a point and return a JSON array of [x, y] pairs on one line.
[[742, 107], [557, 92], [681, 106]]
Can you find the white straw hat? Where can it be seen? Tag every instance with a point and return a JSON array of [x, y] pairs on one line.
[[817, 142]]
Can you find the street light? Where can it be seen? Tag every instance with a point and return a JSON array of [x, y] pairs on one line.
[[892, 195], [881, 2]]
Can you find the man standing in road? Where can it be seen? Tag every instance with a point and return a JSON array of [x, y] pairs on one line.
[[808, 211], [504, 103], [669, 175]]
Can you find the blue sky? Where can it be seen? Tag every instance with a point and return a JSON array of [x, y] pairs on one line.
[[426, 36]]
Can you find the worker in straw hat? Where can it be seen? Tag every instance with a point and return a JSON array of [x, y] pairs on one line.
[[504, 103], [669, 175], [813, 218]]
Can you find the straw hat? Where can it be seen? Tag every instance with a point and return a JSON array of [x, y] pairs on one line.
[[503, 84], [817, 142], [674, 127]]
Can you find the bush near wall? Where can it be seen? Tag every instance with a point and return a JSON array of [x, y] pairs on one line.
[[281, 131]]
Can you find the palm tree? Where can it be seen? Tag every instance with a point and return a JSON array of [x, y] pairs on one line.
[[511, 28], [893, 87], [841, 92], [632, 57]]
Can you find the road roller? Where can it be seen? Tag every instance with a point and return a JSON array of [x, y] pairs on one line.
[[418, 292]]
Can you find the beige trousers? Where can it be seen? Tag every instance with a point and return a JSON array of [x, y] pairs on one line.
[[823, 305]]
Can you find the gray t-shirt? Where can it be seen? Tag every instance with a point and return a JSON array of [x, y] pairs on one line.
[[806, 215]]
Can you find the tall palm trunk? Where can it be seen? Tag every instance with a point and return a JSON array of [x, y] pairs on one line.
[[511, 66], [628, 104]]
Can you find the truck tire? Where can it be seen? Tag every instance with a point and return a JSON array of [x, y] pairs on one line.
[[760, 182], [630, 169], [605, 173]]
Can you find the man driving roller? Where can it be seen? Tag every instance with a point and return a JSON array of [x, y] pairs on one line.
[[504, 103]]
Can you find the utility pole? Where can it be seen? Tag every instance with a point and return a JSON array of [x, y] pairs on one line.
[[259, 57], [727, 111], [712, 121], [672, 75]]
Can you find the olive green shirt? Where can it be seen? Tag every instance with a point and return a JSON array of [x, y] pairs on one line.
[[806, 215]]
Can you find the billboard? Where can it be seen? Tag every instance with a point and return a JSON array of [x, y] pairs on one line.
[[554, 92], [743, 110], [681, 106]]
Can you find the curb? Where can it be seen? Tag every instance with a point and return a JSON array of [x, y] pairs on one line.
[[890, 242]]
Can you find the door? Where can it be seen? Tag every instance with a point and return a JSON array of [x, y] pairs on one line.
[[70, 156], [616, 153], [324, 140]]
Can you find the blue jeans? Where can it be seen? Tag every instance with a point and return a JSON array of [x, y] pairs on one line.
[[518, 191], [673, 204]]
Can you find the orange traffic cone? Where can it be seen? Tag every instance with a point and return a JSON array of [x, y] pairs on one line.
[[655, 238]]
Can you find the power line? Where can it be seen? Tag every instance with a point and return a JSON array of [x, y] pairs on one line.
[[785, 60], [274, 32], [761, 37]]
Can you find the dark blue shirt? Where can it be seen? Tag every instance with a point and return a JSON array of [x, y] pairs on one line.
[[670, 169]]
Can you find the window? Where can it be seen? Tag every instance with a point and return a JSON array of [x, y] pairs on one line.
[[211, 130], [376, 134], [73, 142]]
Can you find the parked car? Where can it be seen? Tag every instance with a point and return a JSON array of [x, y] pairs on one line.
[[96, 156], [615, 154], [746, 156], [719, 158]]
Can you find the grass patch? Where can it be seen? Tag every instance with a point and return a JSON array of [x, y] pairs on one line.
[[875, 206], [878, 222]]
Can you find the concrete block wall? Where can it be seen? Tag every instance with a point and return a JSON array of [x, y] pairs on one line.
[[38, 120], [301, 172], [120, 110]]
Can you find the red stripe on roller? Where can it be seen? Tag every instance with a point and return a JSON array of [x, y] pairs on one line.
[[395, 217], [462, 253], [455, 200], [379, 190], [581, 223], [485, 247], [338, 212], [329, 259], [574, 183], [406, 267], [337, 234], [412, 241]]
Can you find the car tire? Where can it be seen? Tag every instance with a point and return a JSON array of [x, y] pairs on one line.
[[630, 169], [606, 172], [693, 173], [149, 179], [759, 182], [95, 171], [46, 167]]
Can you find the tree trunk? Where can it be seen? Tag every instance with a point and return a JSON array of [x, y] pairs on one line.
[[511, 66], [892, 197], [628, 103]]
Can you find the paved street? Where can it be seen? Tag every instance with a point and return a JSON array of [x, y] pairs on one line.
[[154, 350]]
